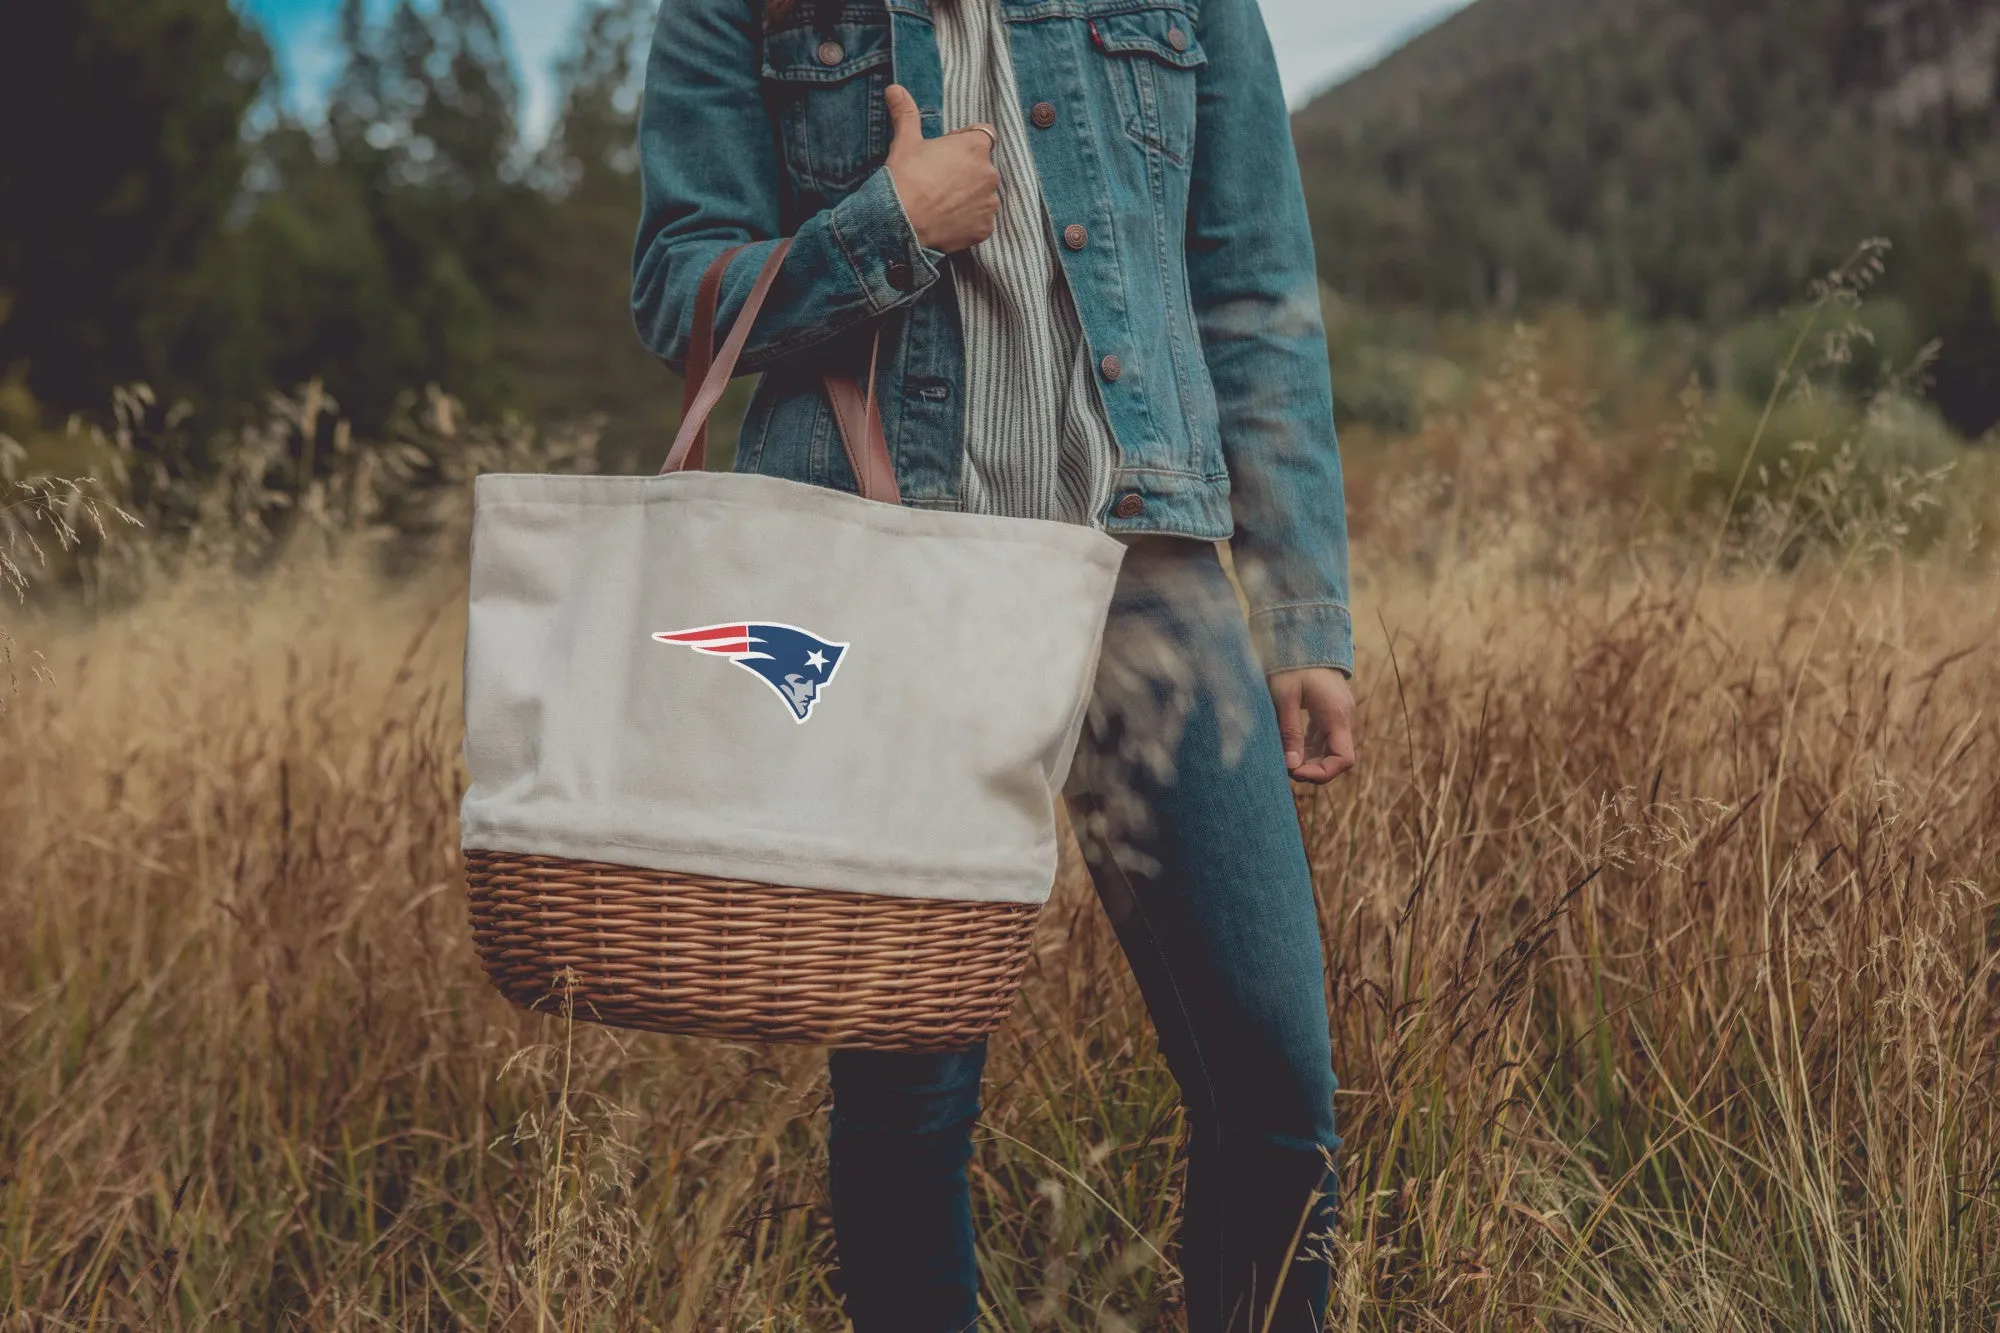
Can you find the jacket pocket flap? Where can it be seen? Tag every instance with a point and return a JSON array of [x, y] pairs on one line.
[[1167, 35], [808, 55]]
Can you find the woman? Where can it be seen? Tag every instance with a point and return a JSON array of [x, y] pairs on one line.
[[1078, 228]]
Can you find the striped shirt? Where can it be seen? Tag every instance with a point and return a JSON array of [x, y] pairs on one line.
[[1038, 443]]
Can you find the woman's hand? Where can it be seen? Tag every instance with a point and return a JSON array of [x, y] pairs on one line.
[[949, 186], [1323, 751]]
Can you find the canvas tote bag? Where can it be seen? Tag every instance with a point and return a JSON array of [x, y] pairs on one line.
[[756, 759]]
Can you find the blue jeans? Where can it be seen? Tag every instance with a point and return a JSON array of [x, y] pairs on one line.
[[1185, 814]]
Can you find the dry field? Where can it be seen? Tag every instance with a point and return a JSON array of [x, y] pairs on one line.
[[1661, 926]]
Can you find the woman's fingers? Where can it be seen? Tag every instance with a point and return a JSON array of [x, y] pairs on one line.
[[949, 187], [1315, 709], [906, 122]]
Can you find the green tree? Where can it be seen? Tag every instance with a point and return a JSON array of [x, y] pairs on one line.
[[324, 296], [1679, 159], [572, 341], [120, 163], [168, 225], [1954, 300], [422, 210]]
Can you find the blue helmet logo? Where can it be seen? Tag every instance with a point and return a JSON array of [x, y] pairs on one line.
[[796, 664]]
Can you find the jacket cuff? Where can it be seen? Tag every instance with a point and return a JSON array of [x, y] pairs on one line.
[[890, 265], [1305, 634]]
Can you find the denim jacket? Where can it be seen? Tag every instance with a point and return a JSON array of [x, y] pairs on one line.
[[1160, 133]]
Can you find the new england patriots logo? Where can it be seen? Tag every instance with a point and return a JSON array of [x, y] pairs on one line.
[[796, 664]]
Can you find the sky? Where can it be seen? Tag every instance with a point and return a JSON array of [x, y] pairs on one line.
[[1317, 41]]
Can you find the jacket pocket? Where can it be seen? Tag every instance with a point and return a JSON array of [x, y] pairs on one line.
[[1153, 57], [825, 90]]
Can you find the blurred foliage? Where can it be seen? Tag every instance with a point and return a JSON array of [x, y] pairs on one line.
[[172, 224], [1955, 302], [122, 161], [1876, 344], [1694, 160], [1652, 179]]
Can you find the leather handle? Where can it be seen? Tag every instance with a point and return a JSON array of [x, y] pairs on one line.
[[701, 351], [715, 377], [858, 414]]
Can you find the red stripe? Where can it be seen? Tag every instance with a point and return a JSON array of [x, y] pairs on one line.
[[705, 636], [724, 649]]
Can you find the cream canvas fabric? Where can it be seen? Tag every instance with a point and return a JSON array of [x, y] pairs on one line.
[[896, 717]]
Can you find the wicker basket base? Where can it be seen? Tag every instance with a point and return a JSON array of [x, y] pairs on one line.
[[666, 952]]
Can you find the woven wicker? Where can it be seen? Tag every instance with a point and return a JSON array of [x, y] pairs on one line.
[[666, 952]]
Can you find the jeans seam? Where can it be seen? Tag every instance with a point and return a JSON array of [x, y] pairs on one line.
[[1194, 1042]]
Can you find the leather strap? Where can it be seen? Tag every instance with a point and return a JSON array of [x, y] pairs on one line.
[[857, 413], [694, 417], [859, 417], [701, 351]]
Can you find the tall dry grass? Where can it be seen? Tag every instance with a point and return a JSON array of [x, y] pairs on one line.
[[1661, 924]]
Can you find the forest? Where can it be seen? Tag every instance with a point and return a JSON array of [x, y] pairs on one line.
[[173, 224], [1684, 162], [1675, 164]]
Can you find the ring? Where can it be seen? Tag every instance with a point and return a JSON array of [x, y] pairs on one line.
[[992, 138]]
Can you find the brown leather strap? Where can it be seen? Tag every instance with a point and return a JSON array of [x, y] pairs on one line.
[[858, 414], [694, 417], [859, 417], [701, 350]]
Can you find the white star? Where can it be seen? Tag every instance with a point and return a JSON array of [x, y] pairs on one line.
[[816, 660]]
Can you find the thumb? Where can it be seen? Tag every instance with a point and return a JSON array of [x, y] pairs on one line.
[[1286, 697], [905, 121]]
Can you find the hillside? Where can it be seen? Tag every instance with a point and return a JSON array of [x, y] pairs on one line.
[[1671, 158]]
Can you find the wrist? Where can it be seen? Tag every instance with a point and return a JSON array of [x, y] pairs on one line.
[[1286, 673], [919, 226], [890, 264]]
